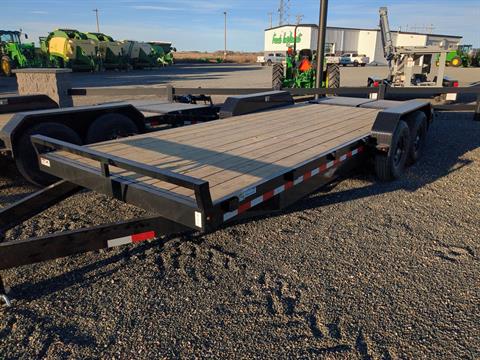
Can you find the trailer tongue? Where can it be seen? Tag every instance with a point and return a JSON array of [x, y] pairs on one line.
[[198, 178]]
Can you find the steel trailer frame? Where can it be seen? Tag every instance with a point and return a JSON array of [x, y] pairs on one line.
[[175, 213]]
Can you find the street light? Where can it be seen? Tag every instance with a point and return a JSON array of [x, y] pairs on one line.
[[96, 13], [225, 31]]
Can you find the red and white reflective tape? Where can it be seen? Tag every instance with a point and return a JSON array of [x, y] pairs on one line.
[[268, 195], [132, 239]]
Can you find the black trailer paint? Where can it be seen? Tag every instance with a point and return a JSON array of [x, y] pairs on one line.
[[175, 213]]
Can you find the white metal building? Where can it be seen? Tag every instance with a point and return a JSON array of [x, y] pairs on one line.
[[343, 40]]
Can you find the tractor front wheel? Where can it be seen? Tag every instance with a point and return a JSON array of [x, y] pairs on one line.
[[456, 61], [6, 63]]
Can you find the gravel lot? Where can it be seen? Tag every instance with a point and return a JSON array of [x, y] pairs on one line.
[[366, 270]]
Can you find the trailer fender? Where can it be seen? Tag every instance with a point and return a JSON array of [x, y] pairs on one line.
[[387, 121], [77, 118]]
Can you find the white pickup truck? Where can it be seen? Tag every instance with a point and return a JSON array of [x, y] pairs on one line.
[[354, 59]]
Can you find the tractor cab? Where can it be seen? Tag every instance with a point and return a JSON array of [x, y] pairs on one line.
[[10, 37], [305, 60]]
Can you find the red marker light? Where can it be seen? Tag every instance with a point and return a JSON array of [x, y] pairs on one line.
[[455, 84], [376, 84]]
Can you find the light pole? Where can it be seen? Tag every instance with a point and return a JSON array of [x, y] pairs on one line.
[[322, 30], [225, 36], [96, 14]]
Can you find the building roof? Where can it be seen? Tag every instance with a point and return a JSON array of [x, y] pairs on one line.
[[364, 29]]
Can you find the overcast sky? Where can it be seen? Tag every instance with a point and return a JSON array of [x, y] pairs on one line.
[[198, 24]]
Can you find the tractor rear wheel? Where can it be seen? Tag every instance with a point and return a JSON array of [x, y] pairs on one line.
[[277, 76], [333, 76], [6, 63]]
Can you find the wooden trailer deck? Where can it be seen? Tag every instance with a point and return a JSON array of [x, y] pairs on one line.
[[237, 153]]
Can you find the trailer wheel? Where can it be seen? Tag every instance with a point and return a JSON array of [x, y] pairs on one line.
[[26, 157], [277, 76], [418, 135], [391, 166], [110, 127]]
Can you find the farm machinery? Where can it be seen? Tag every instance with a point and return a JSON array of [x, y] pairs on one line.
[[300, 71], [464, 56], [163, 51], [68, 48], [412, 66], [110, 52], [140, 54], [14, 54]]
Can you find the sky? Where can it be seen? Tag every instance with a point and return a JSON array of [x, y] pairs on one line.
[[198, 24]]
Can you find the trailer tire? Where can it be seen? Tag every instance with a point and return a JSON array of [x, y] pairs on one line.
[[391, 166], [26, 157], [418, 136], [333, 76], [277, 76], [110, 127]]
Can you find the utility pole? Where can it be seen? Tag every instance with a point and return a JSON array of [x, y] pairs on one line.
[[96, 14], [283, 12], [322, 31], [225, 31], [271, 19], [299, 19]]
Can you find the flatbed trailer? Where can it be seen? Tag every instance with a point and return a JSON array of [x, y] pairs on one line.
[[206, 176], [24, 116]]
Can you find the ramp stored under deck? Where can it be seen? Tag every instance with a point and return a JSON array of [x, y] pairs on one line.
[[237, 153]]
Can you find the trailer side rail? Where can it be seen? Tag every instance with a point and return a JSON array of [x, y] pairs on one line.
[[200, 187]]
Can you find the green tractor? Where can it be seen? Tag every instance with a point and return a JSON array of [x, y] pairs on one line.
[[300, 71], [68, 48], [458, 57], [110, 52], [14, 54]]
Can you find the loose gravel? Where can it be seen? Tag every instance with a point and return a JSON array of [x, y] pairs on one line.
[[365, 270]]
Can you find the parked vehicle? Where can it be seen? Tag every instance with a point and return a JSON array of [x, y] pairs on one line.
[[271, 58], [325, 142], [354, 59], [332, 59]]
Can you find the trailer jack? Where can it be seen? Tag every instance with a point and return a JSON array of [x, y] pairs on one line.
[[3, 294]]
